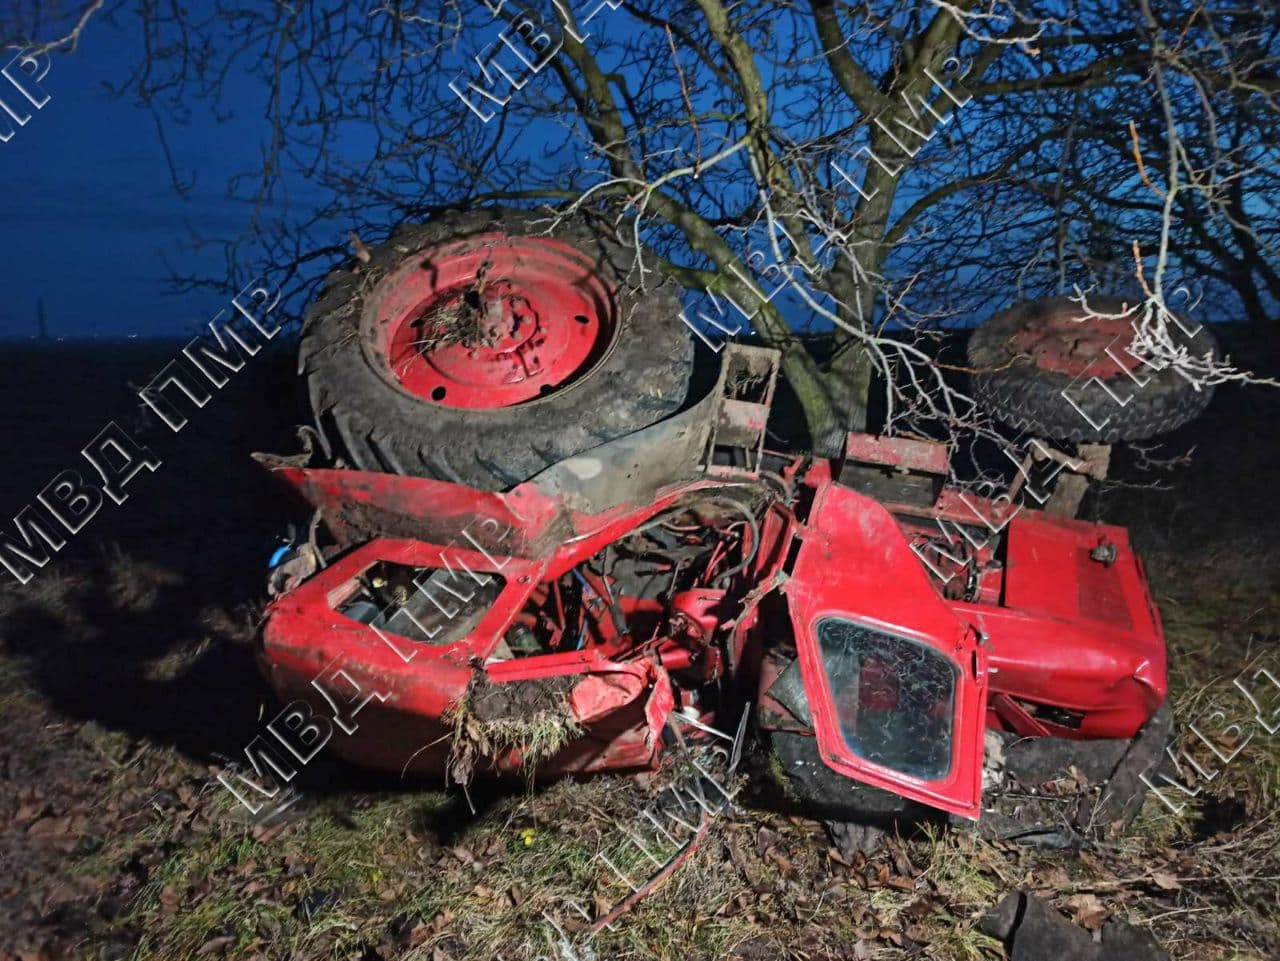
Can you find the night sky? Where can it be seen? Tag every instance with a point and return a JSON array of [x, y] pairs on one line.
[[90, 211], [97, 230]]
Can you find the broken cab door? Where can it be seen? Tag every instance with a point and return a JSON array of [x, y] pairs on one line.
[[896, 681]]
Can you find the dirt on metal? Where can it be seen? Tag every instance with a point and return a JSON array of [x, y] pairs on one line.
[[530, 718]]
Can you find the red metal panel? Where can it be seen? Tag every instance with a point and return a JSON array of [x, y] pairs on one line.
[[1049, 571], [903, 452], [1100, 594], [1074, 632], [855, 563]]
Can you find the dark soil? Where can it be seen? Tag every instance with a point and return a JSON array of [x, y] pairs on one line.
[[519, 699]]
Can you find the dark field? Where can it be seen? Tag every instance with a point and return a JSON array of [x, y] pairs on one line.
[[126, 678]]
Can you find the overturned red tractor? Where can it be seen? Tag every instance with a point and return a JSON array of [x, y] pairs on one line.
[[525, 515]]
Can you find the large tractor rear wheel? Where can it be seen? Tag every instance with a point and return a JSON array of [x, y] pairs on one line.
[[478, 349]]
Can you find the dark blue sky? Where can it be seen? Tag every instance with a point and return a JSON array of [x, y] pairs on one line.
[[97, 219], [90, 211], [95, 224]]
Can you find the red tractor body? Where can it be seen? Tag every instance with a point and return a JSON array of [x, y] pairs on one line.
[[666, 578]]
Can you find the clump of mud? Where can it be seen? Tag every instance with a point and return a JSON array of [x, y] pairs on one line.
[[531, 719]]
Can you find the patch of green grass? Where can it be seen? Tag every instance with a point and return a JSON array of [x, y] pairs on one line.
[[956, 870], [781, 779], [958, 939]]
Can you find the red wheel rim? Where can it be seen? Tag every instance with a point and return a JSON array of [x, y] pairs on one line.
[[492, 321], [1068, 342]]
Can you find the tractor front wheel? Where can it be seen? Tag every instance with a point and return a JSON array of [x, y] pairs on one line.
[[1046, 368]]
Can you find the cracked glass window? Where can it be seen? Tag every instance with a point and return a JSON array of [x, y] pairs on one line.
[[894, 697]]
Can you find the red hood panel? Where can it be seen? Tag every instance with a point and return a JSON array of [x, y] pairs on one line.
[[1050, 571]]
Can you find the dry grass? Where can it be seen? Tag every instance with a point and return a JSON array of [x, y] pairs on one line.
[[533, 728]]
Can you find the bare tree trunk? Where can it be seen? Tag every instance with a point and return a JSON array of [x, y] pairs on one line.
[[854, 282]]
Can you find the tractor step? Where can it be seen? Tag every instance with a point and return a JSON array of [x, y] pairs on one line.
[[744, 397]]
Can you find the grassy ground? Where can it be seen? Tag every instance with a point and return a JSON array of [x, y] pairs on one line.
[[126, 679]]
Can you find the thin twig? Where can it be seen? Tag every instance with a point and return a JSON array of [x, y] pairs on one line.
[[1142, 167], [688, 104]]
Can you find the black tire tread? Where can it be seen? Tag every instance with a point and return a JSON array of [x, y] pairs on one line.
[[1015, 391]]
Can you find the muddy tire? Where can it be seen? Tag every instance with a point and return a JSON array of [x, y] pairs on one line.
[[1031, 357], [1112, 778], [818, 791], [477, 349]]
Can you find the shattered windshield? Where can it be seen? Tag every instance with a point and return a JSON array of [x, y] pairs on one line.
[[894, 697]]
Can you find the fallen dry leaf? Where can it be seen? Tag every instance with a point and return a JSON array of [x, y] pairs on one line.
[[781, 860], [214, 944], [46, 827], [1165, 881], [1087, 911]]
